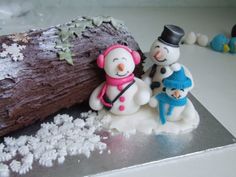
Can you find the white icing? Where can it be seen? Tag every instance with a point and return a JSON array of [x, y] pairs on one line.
[[147, 121], [48, 44], [13, 50], [9, 69]]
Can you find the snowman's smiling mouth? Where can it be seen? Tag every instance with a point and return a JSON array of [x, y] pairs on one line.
[[161, 60], [176, 97], [122, 75]]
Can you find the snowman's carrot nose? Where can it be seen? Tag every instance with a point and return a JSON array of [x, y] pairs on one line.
[[158, 55], [121, 67], [176, 94]]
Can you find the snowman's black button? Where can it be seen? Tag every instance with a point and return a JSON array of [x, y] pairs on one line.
[[163, 70], [155, 85], [163, 89]]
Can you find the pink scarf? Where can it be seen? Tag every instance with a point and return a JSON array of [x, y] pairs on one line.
[[114, 82]]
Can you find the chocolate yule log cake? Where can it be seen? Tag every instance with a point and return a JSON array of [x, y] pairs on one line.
[[43, 71]]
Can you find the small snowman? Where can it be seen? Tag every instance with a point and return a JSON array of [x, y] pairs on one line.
[[121, 93], [165, 53], [173, 105]]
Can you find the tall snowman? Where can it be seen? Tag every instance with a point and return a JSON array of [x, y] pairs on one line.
[[165, 53], [121, 93]]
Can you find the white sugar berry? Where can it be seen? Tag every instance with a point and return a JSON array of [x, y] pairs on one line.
[[202, 40], [190, 38]]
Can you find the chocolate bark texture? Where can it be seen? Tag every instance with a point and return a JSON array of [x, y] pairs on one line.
[[43, 71]]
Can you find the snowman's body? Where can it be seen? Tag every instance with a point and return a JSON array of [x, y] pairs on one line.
[[129, 102], [162, 72], [119, 63], [176, 114], [186, 112]]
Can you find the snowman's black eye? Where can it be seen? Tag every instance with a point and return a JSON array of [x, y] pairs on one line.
[[173, 89], [157, 46], [166, 49], [115, 59]]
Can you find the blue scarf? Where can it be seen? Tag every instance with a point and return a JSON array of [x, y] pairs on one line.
[[163, 99]]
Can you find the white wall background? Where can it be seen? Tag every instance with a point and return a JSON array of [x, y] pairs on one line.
[[154, 3], [128, 3]]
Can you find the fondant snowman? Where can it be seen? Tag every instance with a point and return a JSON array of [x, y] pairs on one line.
[[173, 105], [121, 93], [164, 53]]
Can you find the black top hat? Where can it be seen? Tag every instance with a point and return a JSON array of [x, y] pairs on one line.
[[171, 35]]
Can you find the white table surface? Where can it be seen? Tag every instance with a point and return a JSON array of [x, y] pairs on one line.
[[214, 73]]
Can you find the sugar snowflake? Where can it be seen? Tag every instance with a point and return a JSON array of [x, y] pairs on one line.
[[52, 143], [13, 50], [20, 37], [4, 170]]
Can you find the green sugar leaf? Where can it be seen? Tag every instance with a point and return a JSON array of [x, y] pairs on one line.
[[63, 46], [66, 55], [65, 34]]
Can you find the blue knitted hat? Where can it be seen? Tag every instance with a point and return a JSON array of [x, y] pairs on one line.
[[177, 80]]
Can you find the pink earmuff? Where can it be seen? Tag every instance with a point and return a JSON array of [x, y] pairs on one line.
[[136, 57], [100, 61], [101, 57]]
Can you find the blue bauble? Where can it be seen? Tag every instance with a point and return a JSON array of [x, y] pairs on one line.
[[219, 42]]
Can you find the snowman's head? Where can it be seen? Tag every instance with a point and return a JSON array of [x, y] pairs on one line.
[[177, 93], [163, 54], [118, 61]]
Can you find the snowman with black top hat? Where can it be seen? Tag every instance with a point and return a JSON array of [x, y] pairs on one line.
[[165, 52]]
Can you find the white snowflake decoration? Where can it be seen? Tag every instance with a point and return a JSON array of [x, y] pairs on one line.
[[4, 170], [15, 166], [52, 143], [13, 51]]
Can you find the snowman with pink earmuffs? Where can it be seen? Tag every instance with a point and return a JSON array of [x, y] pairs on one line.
[[122, 93]]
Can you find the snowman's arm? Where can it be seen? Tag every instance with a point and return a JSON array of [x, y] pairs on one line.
[[188, 73], [146, 78], [94, 101], [143, 92], [175, 67], [153, 102]]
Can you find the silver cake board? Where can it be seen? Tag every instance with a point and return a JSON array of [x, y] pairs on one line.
[[138, 149]]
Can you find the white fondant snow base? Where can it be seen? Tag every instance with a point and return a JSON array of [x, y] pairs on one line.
[[147, 121]]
